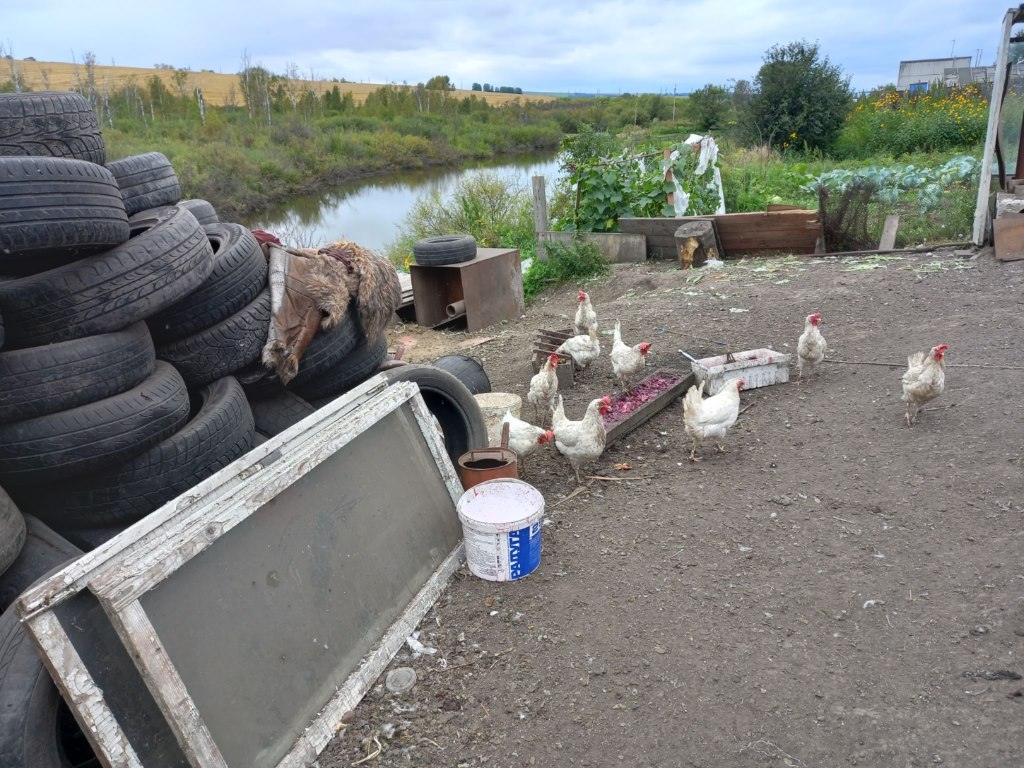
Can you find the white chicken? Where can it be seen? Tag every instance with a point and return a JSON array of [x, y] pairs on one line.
[[711, 418], [524, 438], [810, 348], [924, 379], [586, 317], [544, 387], [581, 441], [582, 349], [627, 362]]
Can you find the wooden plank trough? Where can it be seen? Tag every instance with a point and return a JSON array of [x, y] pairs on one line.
[[644, 400], [786, 230]]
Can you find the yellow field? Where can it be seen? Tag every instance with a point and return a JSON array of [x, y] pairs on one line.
[[217, 89]]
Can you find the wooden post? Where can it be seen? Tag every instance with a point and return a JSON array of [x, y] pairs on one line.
[[695, 243], [994, 113], [666, 154], [540, 215], [888, 240]]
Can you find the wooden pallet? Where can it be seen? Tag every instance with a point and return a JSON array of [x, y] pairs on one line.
[[545, 342]]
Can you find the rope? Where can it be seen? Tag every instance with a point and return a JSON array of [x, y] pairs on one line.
[[948, 365]]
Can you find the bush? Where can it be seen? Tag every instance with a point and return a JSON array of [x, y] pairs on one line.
[[889, 122], [709, 106], [497, 211], [574, 261], [799, 100]]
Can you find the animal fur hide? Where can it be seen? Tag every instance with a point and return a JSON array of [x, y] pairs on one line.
[[312, 290]]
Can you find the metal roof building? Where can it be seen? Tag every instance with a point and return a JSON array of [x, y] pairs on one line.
[[919, 74]]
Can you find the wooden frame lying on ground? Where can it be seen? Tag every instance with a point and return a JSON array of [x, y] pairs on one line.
[[261, 605]]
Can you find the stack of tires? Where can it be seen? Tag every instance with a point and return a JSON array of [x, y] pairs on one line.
[[123, 320]]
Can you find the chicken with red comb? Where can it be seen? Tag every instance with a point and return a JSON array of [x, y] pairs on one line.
[[924, 380]]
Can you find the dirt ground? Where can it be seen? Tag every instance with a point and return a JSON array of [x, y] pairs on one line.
[[835, 590]]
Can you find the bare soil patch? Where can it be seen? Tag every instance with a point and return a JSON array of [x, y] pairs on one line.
[[836, 590]]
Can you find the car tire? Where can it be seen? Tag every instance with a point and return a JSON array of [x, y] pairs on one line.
[[114, 498], [167, 258], [444, 249], [53, 212], [357, 366], [12, 531], [204, 212], [50, 124], [273, 415], [224, 348], [55, 377], [146, 181], [466, 369], [451, 403], [92, 436], [238, 276]]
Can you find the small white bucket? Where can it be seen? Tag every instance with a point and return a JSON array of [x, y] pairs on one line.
[[501, 522]]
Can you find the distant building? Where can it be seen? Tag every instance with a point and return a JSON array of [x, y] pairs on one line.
[[919, 75]]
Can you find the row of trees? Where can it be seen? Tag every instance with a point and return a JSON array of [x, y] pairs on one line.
[[488, 88]]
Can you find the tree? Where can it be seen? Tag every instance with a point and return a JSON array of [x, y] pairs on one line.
[[709, 106], [440, 83], [799, 99]]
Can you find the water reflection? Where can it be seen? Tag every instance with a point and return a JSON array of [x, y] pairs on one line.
[[369, 212]]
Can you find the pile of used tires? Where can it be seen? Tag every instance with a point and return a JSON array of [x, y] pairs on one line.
[[131, 327], [125, 312]]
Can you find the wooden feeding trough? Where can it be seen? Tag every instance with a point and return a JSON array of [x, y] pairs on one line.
[[757, 368], [645, 399], [545, 343]]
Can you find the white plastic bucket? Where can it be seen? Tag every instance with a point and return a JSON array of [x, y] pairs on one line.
[[501, 523]]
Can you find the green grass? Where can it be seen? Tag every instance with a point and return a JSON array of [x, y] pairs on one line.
[[576, 262]]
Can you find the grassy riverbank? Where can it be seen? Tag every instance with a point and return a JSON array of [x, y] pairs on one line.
[[242, 166]]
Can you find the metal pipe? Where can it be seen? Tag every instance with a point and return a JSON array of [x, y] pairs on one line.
[[456, 308]]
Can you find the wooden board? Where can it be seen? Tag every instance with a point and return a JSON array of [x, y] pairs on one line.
[[198, 610], [981, 211], [787, 231], [889, 228], [653, 407]]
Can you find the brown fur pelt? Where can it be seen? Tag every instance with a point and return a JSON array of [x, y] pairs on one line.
[[311, 291], [371, 280]]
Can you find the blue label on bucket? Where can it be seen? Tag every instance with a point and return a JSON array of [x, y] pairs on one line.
[[523, 551]]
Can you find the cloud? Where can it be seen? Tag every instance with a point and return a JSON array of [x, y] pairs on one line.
[[555, 45]]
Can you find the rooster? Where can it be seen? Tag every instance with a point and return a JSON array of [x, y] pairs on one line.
[[583, 349], [524, 438], [586, 317], [810, 349], [581, 441], [627, 362], [544, 387], [711, 418], [924, 379]]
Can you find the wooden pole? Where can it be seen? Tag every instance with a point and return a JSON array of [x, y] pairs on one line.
[[994, 112], [540, 205], [540, 215], [666, 154]]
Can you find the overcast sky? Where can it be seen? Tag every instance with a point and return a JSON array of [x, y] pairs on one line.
[[538, 45]]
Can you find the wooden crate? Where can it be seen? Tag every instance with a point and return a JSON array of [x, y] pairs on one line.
[[680, 383], [545, 342]]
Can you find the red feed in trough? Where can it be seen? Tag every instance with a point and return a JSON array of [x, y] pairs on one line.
[[636, 397]]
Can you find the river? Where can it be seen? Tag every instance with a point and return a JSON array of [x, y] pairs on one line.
[[370, 211]]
